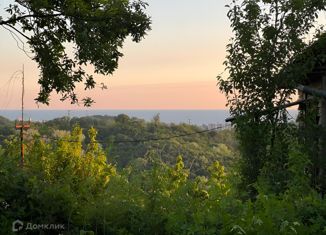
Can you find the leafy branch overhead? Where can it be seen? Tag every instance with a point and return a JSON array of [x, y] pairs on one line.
[[268, 34], [95, 29], [267, 57]]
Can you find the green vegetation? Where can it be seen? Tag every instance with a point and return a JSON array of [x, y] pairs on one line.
[[199, 151], [125, 176], [267, 58], [65, 183]]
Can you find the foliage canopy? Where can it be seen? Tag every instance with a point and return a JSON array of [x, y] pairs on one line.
[[95, 30], [267, 37], [64, 183]]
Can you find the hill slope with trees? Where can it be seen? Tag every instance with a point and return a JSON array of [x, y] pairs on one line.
[[124, 140]]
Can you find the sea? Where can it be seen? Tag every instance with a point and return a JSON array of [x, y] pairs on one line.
[[195, 117]]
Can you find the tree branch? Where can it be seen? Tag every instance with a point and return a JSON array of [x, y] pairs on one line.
[[25, 36], [13, 20]]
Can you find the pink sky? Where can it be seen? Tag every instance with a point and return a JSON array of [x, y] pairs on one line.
[[174, 67]]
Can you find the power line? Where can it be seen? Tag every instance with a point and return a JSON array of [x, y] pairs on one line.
[[170, 137], [144, 140]]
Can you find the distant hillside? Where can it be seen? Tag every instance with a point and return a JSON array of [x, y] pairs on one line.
[[198, 150], [7, 128]]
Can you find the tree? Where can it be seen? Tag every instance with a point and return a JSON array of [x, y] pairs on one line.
[[95, 29], [59, 182], [267, 35]]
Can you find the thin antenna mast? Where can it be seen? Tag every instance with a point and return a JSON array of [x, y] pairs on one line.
[[20, 125], [22, 128], [23, 93]]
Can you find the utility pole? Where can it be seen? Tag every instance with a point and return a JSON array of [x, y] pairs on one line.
[[21, 125]]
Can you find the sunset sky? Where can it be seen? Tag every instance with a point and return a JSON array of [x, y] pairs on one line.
[[174, 67]]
